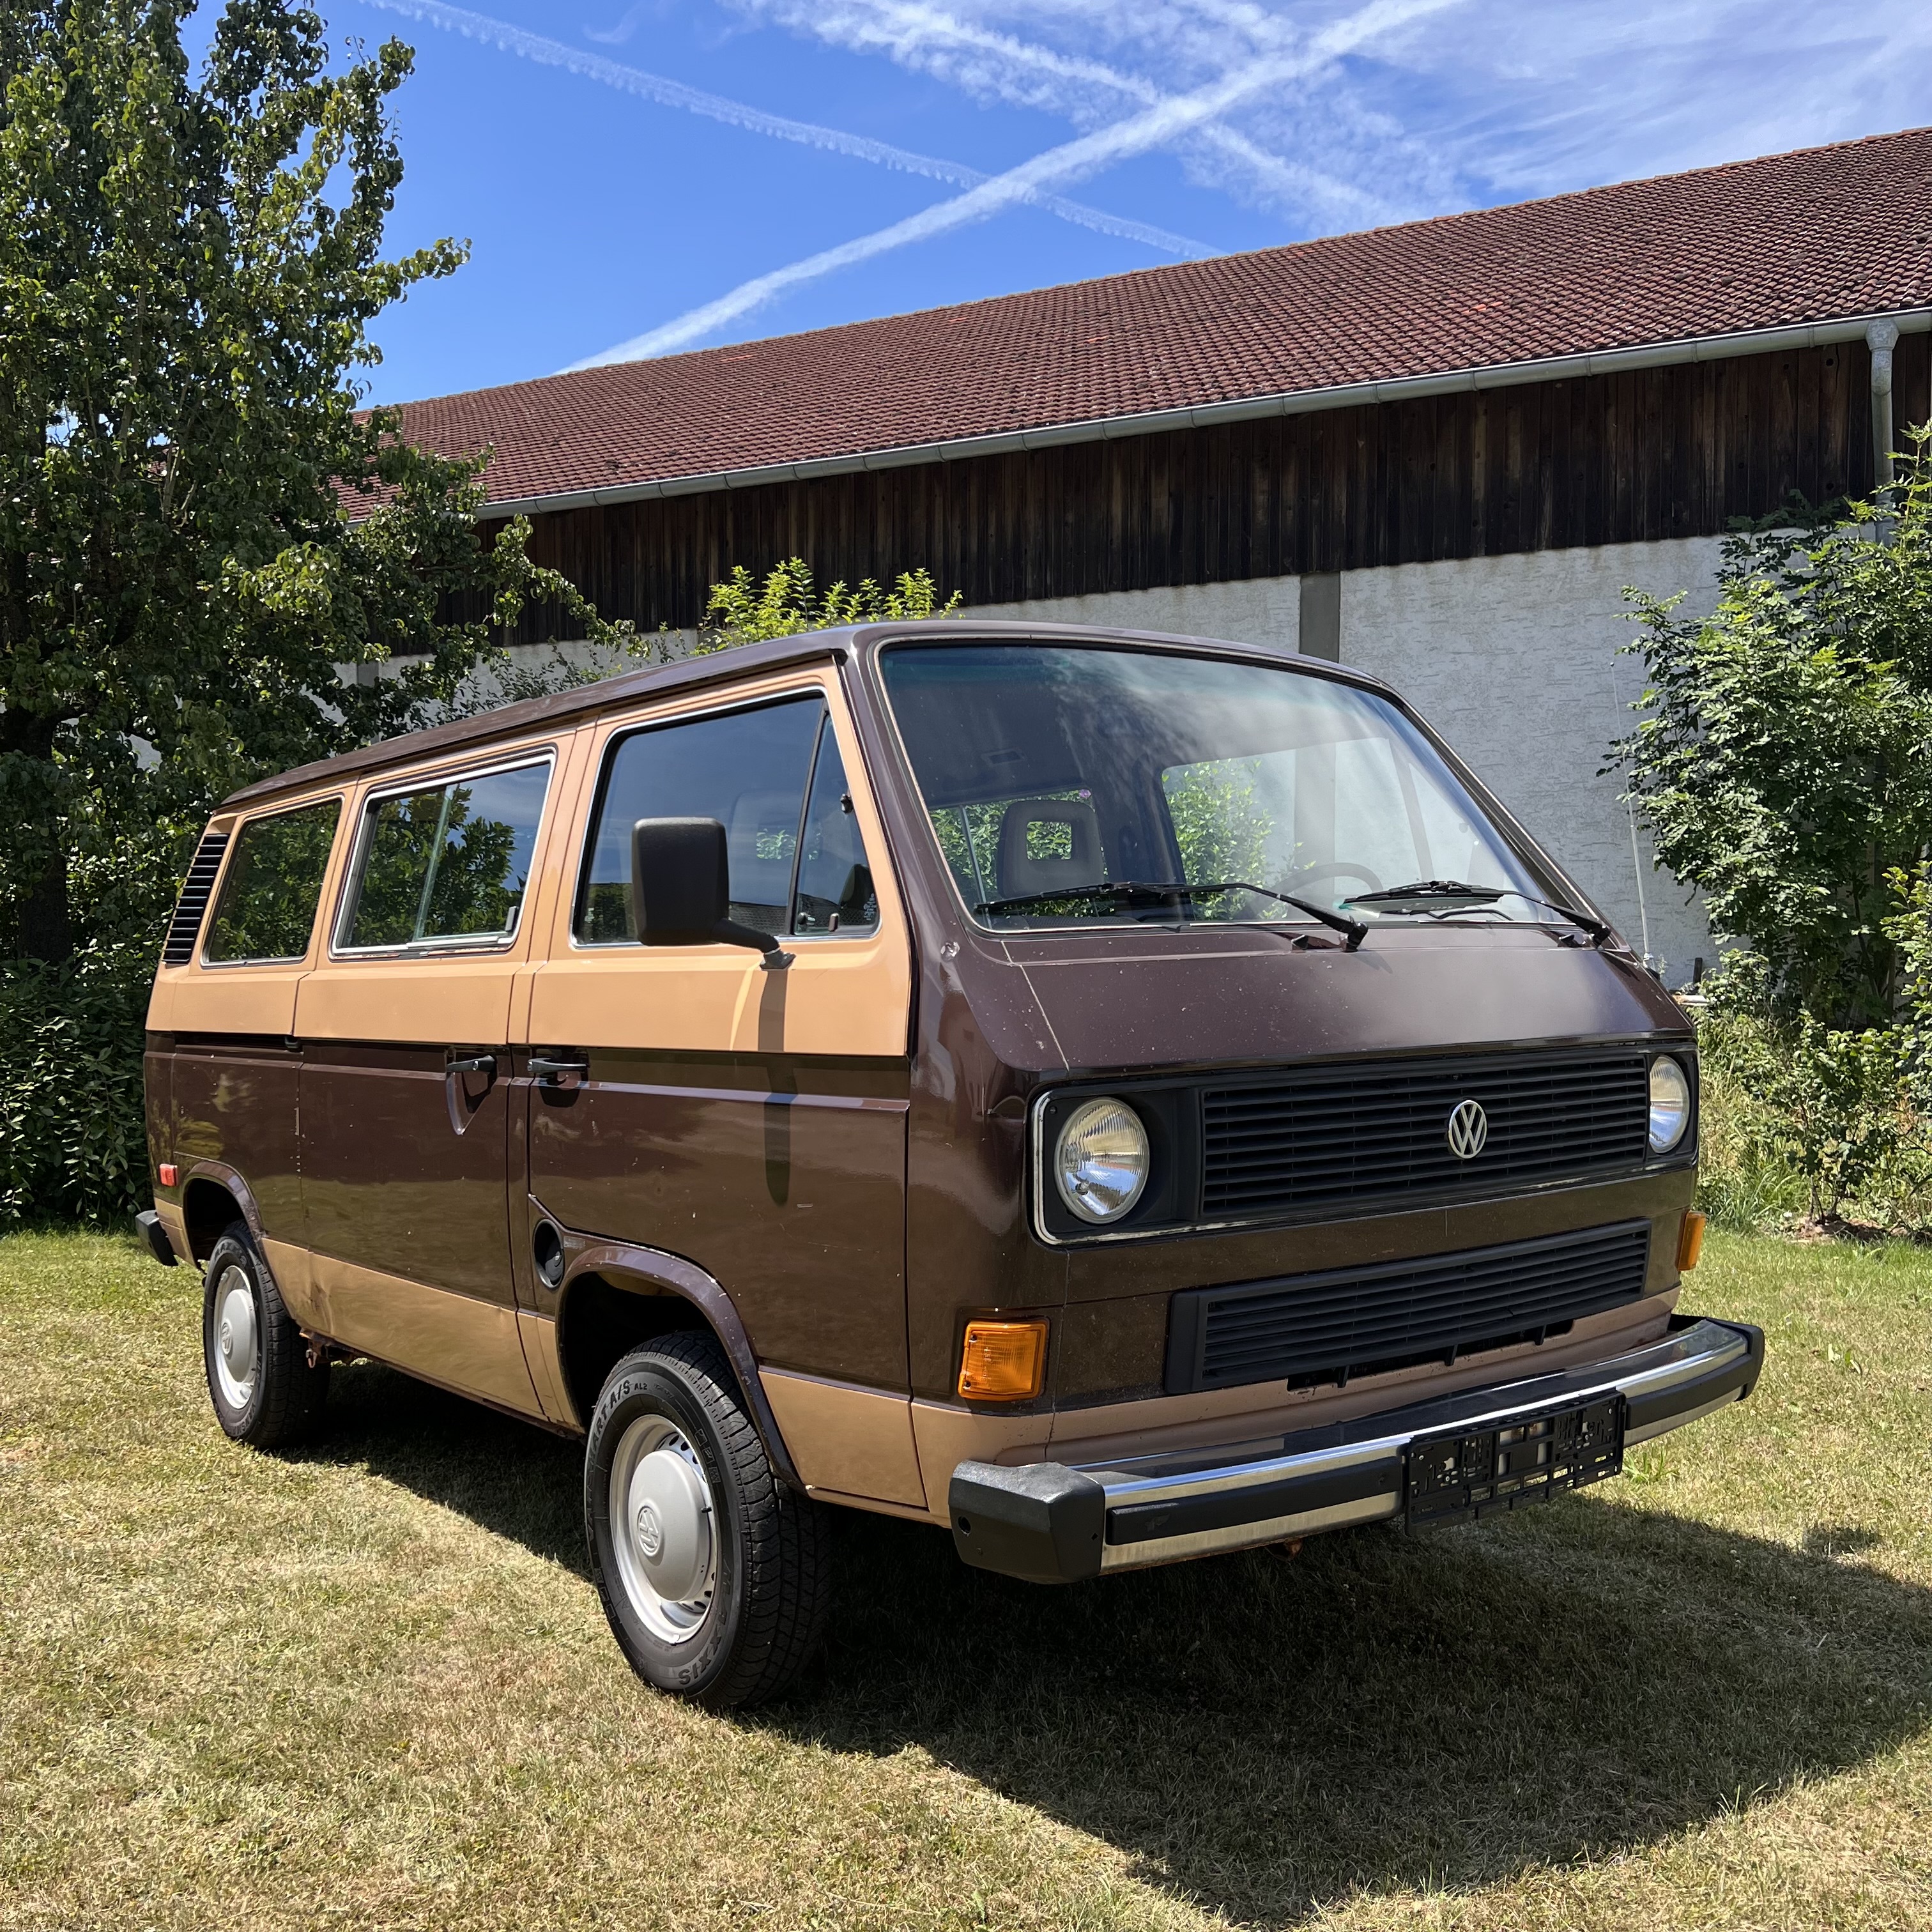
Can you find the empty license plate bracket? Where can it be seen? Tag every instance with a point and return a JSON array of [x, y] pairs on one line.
[[1461, 1475]]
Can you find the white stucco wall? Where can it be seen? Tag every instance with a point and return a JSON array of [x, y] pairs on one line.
[[1514, 660]]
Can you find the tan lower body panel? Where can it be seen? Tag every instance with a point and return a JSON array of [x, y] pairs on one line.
[[847, 1441], [295, 1278], [948, 1436], [539, 1338], [455, 1339], [175, 1222]]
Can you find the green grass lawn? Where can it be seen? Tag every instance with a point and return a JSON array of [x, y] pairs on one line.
[[370, 1685]]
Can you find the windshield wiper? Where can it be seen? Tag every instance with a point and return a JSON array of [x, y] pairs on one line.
[[1428, 889], [1454, 889], [1173, 891]]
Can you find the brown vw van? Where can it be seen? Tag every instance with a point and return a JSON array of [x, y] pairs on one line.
[[1117, 1098]]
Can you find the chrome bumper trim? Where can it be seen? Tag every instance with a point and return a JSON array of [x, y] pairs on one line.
[[1054, 1523]]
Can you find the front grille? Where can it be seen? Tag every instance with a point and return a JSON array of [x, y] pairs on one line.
[[1339, 1135], [1314, 1328], [185, 927]]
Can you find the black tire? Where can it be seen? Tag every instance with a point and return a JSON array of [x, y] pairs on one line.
[[280, 1401], [765, 1611]]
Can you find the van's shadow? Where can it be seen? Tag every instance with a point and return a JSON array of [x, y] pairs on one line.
[[1265, 1736]]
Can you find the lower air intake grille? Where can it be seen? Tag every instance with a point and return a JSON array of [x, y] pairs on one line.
[[1314, 1328], [185, 927]]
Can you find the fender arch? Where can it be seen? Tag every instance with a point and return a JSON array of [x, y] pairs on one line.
[[205, 1179], [644, 1274]]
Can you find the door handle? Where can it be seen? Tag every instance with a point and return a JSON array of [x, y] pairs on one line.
[[456, 1087], [568, 1074]]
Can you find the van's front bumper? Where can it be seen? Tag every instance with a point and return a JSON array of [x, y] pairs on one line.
[[1050, 1523]]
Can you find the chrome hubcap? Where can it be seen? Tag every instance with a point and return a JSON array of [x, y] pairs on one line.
[[663, 1526], [235, 1363]]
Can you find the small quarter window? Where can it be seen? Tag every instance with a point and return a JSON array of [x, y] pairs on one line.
[[835, 884], [267, 908], [447, 864]]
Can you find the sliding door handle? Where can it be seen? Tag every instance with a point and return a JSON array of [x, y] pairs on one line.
[[568, 1074], [456, 1094]]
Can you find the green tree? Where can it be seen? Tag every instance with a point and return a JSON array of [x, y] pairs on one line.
[[1785, 764], [198, 521]]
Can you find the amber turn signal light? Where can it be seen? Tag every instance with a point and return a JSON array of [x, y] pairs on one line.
[[1689, 1240], [1003, 1361]]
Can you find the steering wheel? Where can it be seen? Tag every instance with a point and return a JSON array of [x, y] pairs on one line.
[[1309, 875]]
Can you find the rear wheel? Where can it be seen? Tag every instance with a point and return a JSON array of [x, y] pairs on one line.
[[264, 1391], [714, 1576]]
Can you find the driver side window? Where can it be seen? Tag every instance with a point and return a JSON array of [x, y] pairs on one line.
[[773, 777]]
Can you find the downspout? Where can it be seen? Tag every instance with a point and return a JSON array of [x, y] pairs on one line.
[[1881, 338]]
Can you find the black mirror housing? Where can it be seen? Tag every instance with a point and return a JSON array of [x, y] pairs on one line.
[[681, 888]]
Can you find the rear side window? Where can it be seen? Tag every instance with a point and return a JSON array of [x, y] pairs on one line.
[[448, 863], [773, 778], [270, 891]]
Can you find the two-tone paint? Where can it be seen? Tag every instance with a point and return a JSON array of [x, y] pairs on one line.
[[497, 1167]]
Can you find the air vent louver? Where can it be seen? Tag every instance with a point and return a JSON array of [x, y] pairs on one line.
[[184, 928], [1341, 1136], [1317, 1328]]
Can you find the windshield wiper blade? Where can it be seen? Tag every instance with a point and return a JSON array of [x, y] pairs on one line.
[[1176, 890], [1339, 921], [1455, 890], [1429, 888]]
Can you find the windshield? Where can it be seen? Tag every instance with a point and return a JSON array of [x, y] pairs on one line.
[[1084, 784]]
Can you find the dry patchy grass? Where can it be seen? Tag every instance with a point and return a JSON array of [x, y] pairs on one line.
[[369, 1685]]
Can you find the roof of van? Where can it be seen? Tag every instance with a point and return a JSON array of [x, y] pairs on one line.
[[740, 661]]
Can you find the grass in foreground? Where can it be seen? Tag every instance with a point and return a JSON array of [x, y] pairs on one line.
[[369, 1685]]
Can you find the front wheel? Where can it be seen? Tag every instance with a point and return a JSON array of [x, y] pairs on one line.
[[714, 1576], [265, 1392]]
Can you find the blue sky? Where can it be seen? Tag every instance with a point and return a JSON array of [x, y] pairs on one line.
[[1038, 143]]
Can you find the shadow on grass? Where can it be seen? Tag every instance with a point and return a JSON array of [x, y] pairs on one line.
[[1266, 1737], [511, 1477]]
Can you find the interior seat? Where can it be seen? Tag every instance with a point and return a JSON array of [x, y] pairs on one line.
[[1024, 871]]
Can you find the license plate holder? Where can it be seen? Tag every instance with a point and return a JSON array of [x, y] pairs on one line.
[[1461, 1475]]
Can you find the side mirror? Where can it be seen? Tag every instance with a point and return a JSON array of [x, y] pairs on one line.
[[681, 888]]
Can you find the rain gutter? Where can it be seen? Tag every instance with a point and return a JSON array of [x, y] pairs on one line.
[[1248, 409]]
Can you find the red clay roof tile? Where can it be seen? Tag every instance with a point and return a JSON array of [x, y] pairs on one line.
[[1826, 232]]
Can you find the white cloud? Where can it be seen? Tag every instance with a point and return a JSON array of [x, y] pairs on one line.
[[1464, 107], [1170, 118], [652, 87]]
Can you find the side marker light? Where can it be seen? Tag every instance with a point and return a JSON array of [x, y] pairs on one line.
[[169, 1173], [1689, 1240], [1003, 1361]]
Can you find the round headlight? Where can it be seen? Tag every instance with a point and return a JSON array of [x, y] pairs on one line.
[[1100, 1159], [1669, 1103]]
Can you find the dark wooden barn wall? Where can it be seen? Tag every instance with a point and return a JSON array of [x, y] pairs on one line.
[[1651, 454]]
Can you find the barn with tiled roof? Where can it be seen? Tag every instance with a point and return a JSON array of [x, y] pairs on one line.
[[1437, 450]]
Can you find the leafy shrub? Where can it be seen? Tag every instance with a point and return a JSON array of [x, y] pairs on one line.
[[73, 1139], [787, 602], [1785, 759]]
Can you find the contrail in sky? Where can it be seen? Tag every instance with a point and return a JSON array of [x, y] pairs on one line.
[[1173, 116], [904, 30], [735, 114]]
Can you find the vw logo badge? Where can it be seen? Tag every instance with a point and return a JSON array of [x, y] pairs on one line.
[[1469, 1130]]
